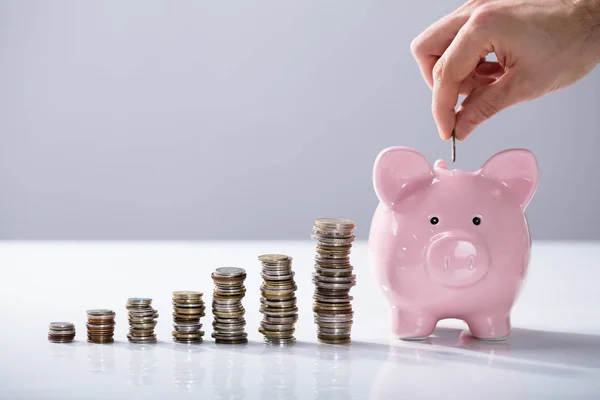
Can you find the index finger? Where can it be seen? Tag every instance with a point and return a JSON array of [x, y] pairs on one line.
[[455, 65]]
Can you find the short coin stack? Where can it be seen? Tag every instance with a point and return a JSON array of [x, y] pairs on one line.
[[61, 332], [333, 279], [188, 308], [142, 320], [278, 300], [229, 324], [101, 326]]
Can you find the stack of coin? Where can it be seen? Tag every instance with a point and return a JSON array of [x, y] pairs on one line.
[[229, 324], [333, 279], [61, 332], [188, 308], [142, 320], [278, 300], [101, 326]]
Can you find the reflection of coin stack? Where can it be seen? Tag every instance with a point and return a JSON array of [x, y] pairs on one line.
[[142, 366], [333, 279], [229, 324], [101, 326], [188, 373], [278, 301], [61, 332], [142, 320], [332, 375], [101, 359], [228, 378], [188, 308], [280, 372]]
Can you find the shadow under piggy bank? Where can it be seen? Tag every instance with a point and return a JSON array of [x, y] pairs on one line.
[[528, 363]]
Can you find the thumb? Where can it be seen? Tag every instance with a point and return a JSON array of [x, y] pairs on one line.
[[484, 102]]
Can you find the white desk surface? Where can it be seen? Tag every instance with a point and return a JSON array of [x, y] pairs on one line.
[[553, 352]]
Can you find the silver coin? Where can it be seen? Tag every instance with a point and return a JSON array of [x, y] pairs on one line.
[[273, 258], [289, 302], [277, 327], [230, 271], [333, 319], [334, 325], [334, 279], [143, 312], [139, 300], [143, 326], [62, 332], [186, 330], [280, 341], [101, 313], [58, 326], [280, 320], [334, 241], [225, 301], [229, 328], [328, 299], [334, 286], [235, 321], [335, 222], [272, 313]]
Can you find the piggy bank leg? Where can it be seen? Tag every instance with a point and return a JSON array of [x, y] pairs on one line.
[[489, 327], [412, 326]]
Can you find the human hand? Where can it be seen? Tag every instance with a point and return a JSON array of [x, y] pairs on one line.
[[541, 46]]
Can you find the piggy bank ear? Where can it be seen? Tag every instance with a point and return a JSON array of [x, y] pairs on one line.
[[517, 169], [398, 172]]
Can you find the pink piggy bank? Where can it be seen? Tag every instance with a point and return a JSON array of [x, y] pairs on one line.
[[451, 244]]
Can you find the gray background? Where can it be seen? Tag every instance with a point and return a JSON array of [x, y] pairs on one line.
[[244, 119]]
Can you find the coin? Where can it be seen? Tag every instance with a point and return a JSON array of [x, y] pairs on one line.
[[142, 320], [337, 223], [453, 152], [333, 279], [188, 309], [61, 326], [230, 271], [278, 298], [100, 326], [227, 309], [280, 341], [273, 258]]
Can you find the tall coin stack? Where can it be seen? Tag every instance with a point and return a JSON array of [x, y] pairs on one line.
[[229, 324], [61, 332], [188, 308], [278, 300], [333, 279], [101, 326], [142, 320]]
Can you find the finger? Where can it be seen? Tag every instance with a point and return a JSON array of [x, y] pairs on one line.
[[474, 82], [483, 103], [429, 46], [488, 68], [455, 65]]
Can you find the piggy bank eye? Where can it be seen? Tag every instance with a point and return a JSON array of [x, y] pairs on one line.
[[476, 220], [434, 220]]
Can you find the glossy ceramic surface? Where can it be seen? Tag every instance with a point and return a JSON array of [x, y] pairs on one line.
[[451, 244]]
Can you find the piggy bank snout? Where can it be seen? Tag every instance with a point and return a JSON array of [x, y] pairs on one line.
[[457, 259]]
